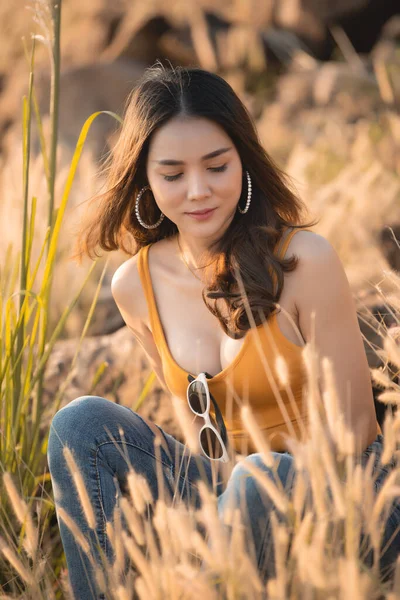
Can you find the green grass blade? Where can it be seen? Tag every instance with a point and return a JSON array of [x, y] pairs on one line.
[[71, 175], [60, 325], [67, 380]]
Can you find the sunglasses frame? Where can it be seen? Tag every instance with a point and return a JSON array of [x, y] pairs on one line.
[[206, 416]]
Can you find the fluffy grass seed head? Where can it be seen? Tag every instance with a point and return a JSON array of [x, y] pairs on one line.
[[23, 515], [80, 488]]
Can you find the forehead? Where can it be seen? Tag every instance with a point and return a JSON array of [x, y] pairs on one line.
[[187, 138]]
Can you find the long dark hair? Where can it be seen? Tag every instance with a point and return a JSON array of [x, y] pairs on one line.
[[246, 247]]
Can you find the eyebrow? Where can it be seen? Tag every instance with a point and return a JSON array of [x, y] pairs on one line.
[[205, 157]]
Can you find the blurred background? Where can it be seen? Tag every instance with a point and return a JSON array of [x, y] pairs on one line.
[[322, 81]]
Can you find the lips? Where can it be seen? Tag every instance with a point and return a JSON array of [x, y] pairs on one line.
[[200, 212]]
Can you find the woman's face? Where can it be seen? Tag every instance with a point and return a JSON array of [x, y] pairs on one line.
[[184, 179]]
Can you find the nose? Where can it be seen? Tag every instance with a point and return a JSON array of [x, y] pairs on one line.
[[198, 187]]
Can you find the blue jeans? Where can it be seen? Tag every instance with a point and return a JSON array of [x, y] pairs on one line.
[[106, 438]]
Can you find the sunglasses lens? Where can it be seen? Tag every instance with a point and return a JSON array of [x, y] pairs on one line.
[[210, 443], [197, 397]]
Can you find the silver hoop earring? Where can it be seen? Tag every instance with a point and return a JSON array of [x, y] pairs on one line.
[[140, 194], [246, 208]]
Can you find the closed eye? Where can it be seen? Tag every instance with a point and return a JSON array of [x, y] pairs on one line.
[[214, 169]]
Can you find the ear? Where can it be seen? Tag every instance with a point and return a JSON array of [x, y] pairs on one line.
[[190, 378]]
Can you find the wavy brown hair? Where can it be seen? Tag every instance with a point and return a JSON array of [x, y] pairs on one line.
[[246, 247]]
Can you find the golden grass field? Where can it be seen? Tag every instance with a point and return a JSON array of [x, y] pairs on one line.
[[348, 175]]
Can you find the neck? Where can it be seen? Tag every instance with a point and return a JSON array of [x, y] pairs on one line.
[[194, 251]]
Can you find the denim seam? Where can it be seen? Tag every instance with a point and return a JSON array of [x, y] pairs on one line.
[[98, 479], [170, 468], [168, 457], [171, 464], [101, 505]]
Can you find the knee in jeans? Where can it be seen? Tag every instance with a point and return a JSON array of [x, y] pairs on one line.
[[282, 469], [255, 459], [75, 409], [242, 479], [65, 423], [85, 403]]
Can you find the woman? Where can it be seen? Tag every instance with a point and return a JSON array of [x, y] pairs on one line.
[[188, 145]]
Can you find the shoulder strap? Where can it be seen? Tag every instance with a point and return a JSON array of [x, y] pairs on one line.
[[144, 274]]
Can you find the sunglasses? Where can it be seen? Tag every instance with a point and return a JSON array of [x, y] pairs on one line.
[[213, 444]]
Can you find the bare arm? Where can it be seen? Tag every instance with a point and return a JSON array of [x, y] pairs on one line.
[[323, 289], [124, 290]]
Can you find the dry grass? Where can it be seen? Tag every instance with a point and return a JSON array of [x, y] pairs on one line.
[[316, 548], [316, 545]]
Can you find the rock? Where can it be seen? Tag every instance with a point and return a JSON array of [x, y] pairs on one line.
[[295, 89], [390, 245], [124, 378], [82, 93], [375, 321], [128, 370], [361, 21]]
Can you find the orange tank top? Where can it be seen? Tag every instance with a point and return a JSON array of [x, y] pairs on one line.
[[251, 377]]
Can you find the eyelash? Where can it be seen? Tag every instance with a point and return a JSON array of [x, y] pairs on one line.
[[214, 169]]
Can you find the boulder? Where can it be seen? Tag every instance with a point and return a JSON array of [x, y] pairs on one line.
[[390, 245], [128, 371], [84, 90], [124, 378]]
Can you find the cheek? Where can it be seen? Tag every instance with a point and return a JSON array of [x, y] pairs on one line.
[[232, 186], [166, 194]]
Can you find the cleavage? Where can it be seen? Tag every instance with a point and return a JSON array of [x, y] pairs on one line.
[[194, 336]]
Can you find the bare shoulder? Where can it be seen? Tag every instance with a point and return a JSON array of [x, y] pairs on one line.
[[127, 291], [311, 248], [309, 245], [126, 285], [318, 268], [319, 276], [126, 278]]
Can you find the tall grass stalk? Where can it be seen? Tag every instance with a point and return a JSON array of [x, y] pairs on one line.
[[26, 137], [54, 110], [322, 560], [25, 341]]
